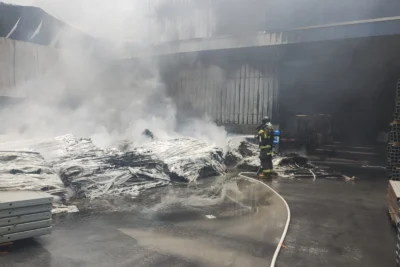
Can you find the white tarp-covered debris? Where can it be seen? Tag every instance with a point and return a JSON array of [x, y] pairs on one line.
[[188, 158], [244, 155], [28, 171], [93, 172]]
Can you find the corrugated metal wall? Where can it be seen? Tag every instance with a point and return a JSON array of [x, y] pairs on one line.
[[180, 20], [242, 96], [188, 19], [21, 62]]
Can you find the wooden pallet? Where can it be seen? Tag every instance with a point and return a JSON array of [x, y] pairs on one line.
[[5, 248], [393, 198]]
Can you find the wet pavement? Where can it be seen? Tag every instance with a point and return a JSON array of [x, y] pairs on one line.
[[334, 223], [242, 229], [337, 223]]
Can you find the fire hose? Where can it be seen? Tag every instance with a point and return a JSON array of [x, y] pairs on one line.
[[280, 244]]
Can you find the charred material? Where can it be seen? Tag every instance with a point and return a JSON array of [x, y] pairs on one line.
[[148, 133], [95, 172], [243, 155], [21, 170]]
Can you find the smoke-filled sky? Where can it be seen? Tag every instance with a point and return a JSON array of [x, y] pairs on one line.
[[83, 96], [114, 20], [89, 97], [128, 20]]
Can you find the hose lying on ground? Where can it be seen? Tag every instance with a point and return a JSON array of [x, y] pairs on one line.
[[278, 248]]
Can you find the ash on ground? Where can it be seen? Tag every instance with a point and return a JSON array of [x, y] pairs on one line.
[[244, 155], [77, 171], [57, 164]]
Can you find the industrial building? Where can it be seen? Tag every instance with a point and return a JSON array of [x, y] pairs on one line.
[[325, 72]]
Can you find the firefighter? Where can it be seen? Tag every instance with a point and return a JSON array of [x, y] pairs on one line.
[[265, 138]]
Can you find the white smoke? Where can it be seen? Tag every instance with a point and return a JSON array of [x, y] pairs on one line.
[[91, 96], [116, 20]]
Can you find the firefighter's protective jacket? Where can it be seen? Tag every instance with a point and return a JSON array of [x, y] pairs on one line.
[[265, 138]]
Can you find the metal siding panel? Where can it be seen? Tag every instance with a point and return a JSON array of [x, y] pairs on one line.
[[205, 104], [183, 94], [176, 95], [232, 100], [248, 94], [209, 91], [255, 93], [261, 99], [203, 90], [214, 97], [257, 105], [196, 89], [25, 218], [228, 104], [17, 228], [235, 96], [25, 235], [241, 93], [250, 101], [225, 104], [271, 91], [266, 92], [25, 211], [221, 103], [237, 108], [251, 94], [211, 95], [22, 199], [275, 104], [192, 91], [245, 96]]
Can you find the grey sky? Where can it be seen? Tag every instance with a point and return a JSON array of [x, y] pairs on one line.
[[116, 19]]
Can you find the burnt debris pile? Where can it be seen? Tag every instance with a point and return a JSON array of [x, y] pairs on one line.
[[94, 172], [244, 156], [24, 170]]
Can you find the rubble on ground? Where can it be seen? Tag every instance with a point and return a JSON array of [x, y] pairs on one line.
[[25, 170], [244, 156], [94, 172], [188, 158]]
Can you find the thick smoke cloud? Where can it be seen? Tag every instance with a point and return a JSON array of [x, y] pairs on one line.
[[117, 20], [105, 99]]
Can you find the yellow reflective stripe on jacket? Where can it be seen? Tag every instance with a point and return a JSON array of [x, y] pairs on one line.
[[262, 134], [263, 147]]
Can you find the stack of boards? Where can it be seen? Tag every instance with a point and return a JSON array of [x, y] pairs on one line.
[[393, 148], [24, 214], [393, 196]]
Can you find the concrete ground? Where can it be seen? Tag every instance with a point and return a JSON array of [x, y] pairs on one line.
[[175, 231], [334, 223], [337, 223]]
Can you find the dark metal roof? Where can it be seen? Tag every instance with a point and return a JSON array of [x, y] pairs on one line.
[[32, 24], [337, 31]]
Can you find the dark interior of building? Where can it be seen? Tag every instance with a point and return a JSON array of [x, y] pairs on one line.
[[353, 81]]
